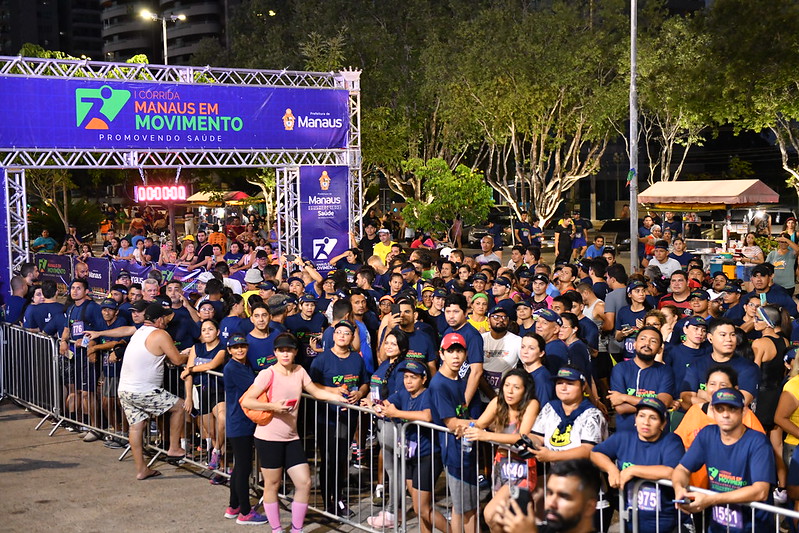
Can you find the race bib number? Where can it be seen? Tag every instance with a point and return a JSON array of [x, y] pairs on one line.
[[77, 328], [629, 344], [731, 517], [648, 498], [493, 378], [411, 451], [106, 355], [463, 370], [512, 471]]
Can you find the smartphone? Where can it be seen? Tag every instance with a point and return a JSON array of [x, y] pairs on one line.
[[395, 309], [290, 257], [291, 404], [763, 298], [682, 501]]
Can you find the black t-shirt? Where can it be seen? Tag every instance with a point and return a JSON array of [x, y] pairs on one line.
[[565, 239], [367, 246], [204, 250]]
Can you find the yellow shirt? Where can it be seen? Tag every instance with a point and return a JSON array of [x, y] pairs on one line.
[[382, 250], [246, 297], [792, 387]]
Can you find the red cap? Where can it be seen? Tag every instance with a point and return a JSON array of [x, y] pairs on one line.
[[452, 338]]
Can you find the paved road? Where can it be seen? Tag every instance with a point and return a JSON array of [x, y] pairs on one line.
[[61, 483]]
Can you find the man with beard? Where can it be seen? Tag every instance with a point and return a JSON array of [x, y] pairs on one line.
[[572, 492], [500, 351], [640, 377]]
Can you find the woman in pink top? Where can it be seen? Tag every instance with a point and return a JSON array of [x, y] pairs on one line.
[[278, 443]]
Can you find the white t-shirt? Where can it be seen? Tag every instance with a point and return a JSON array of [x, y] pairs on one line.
[[666, 268], [500, 356], [588, 428]]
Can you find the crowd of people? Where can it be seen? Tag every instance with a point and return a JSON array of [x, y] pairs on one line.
[[569, 369]]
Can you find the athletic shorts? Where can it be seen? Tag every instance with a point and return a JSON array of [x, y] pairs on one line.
[[86, 373], [68, 370], [110, 386], [424, 471], [464, 495], [280, 454], [139, 406]]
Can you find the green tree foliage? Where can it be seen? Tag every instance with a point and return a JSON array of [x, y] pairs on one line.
[[83, 214], [533, 88], [462, 191]]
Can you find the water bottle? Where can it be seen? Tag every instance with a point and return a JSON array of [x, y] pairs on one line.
[[466, 444]]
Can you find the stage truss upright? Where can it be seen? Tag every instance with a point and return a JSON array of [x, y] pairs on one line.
[[286, 161]]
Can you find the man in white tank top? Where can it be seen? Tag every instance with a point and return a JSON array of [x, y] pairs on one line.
[[140, 385]]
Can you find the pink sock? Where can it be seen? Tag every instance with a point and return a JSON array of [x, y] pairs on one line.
[[273, 515], [298, 511]]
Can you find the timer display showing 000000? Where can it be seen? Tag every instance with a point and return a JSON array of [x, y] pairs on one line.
[[150, 193]]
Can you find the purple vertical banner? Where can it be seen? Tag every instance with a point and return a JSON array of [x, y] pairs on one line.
[[99, 275], [5, 246], [57, 268], [325, 213], [182, 274]]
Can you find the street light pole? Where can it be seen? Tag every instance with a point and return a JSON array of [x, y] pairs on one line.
[[163, 35], [163, 20], [632, 176]]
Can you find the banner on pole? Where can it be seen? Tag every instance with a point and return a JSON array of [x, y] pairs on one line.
[[325, 208]]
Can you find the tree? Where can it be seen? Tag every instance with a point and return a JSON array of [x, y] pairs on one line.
[[672, 96], [539, 117], [756, 86], [462, 191], [266, 180], [48, 185]]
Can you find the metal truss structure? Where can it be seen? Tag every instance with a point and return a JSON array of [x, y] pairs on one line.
[[16, 218], [286, 161]]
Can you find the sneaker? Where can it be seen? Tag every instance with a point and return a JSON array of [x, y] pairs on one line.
[[252, 519], [780, 496], [383, 519], [230, 512], [113, 444], [213, 464], [91, 436], [218, 479], [342, 510], [482, 481]]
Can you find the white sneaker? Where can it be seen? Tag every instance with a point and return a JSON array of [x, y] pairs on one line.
[[780, 496]]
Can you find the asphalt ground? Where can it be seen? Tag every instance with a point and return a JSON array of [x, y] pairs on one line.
[[63, 484]]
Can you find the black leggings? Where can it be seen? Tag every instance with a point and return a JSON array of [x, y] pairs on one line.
[[242, 468], [335, 433]]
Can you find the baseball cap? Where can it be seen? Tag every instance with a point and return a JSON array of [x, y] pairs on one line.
[[790, 355], [119, 288], [123, 274], [732, 287], [261, 254], [728, 396], [383, 230], [761, 269], [139, 306], [451, 339], [155, 311], [541, 277], [109, 303], [266, 286], [501, 280], [388, 298], [277, 303], [696, 321], [496, 310], [549, 315], [408, 270], [654, 404], [293, 279], [634, 285], [253, 275], [307, 298], [445, 252], [570, 374], [526, 274], [237, 339], [347, 324], [286, 340], [524, 303], [479, 277], [205, 277], [188, 238], [428, 288], [414, 367], [701, 294], [440, 293]]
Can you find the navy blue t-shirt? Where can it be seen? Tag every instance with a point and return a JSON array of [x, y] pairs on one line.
[[330, 370], [448, 400], [776, 295], [732, 467], [579, 356], [237, 378], [544, 386], [14, 306], [261, 353], [47, 317], [589, 332], [627, 451], [382, 387], [231, 325], [305, 329], [421, 347], [696, 376], [84, 317], [112, 369], [183, 330], [626, 317], [474, 354], [679, 357], [629, 378], [415, 437], [557, 355]]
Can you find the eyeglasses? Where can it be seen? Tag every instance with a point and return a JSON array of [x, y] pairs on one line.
[[752, 305]]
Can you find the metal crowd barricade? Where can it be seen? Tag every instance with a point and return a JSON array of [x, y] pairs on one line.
[[30, 371]]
